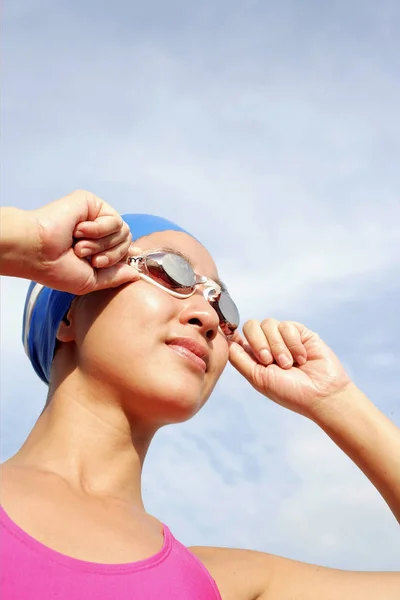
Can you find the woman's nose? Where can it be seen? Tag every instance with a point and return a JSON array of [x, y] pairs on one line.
[[201, 315]]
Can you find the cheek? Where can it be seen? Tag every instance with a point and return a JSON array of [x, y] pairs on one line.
[[128, 324], [220, 359], [221, 355], [145, 303]]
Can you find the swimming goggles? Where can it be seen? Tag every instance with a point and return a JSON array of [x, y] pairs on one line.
[[173, 273]]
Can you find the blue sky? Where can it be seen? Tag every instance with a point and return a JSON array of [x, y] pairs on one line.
[[271, 130]]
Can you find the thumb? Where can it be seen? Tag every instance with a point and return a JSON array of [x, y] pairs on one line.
[[114, 276], [242, 360]]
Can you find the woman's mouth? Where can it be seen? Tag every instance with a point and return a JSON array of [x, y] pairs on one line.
[[190, 350]]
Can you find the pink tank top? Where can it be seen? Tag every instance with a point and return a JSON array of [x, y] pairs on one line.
[[32, 571]]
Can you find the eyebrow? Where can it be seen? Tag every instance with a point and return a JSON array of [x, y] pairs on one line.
[[188, 260]]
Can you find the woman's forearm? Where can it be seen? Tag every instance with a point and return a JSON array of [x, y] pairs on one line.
[[17, 242], [368, 437]]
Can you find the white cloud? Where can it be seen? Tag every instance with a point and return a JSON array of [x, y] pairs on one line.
[[333, 504]]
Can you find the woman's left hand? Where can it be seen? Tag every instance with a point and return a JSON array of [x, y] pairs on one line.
[[288, 363]]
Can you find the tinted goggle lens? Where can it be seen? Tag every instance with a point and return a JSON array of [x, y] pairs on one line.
[[228, 311], [172, 271]]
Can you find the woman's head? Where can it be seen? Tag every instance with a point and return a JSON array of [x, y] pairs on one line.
[[136, 343]]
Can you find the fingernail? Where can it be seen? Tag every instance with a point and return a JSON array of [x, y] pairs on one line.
[[284, 360], [102, 261], [85, 252], [301, 360], [78, 234], [265, 356]]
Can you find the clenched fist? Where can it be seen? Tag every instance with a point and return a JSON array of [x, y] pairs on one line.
[[77, 244]]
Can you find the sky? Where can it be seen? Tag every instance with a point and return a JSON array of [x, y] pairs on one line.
[[271, 130]]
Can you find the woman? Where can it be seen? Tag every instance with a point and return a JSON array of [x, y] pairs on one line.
[[137, 338]]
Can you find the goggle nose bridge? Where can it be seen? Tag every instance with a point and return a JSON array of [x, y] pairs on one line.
[[212, 291], [200, 279]]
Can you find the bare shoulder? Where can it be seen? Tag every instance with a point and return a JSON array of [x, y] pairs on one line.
[[239, 574], [250, 575]]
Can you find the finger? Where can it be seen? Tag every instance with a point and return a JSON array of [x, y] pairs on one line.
[[90, 206], [112, 256], [134, 250], [258, 342], [242, 361], [115, 276], [90, 247], [305, 333], [237, 337], [292, 338], [280, 352], [101, 227]]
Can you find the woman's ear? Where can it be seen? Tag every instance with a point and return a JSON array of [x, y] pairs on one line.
[[66, 331]]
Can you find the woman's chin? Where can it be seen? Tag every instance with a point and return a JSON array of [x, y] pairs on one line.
[[177, 405], [163, 400], [167, 393]]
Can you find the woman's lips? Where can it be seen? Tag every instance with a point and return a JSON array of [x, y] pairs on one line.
[[190, 350]]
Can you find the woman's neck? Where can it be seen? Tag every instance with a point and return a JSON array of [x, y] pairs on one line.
[[86, 438]]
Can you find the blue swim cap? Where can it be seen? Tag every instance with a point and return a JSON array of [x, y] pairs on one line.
[[45, 308]]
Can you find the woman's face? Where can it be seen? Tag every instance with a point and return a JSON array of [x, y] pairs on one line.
[[129, 341]]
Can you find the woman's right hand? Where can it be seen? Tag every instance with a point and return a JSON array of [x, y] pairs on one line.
[[77, 244]]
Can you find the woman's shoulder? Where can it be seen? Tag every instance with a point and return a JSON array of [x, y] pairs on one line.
[[239, 574]]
